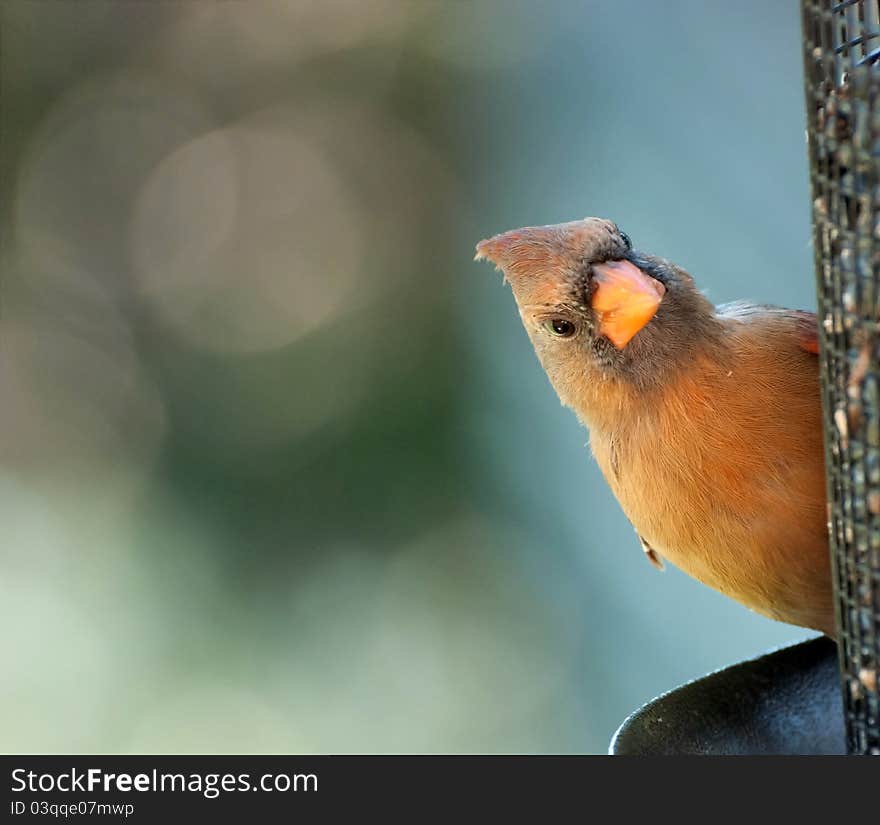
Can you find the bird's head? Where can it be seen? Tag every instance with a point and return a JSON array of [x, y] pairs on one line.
[[597, 310]]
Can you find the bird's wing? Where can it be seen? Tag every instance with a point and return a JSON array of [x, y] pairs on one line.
[[805, 323], [808, 329]]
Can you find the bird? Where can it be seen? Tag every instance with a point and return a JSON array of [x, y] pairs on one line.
[[705, 421]]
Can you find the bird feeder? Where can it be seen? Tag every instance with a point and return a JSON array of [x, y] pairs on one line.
[[842, 74], [818, 697]]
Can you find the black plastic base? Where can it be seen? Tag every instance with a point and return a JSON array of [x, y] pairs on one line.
[[785, 702]]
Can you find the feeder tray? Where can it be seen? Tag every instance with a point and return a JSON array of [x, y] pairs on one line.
[[785, 702]]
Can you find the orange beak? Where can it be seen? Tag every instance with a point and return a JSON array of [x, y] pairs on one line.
[[625, 300]]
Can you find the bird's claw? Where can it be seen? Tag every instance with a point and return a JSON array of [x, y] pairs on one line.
[[652, 555]]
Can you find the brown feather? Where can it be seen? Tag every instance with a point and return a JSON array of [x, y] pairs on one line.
[[723, 474]]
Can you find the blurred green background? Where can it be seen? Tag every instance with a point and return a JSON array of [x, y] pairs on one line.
[[280, 471]]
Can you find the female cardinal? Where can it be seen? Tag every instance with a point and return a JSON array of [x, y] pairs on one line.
[[705, 421]]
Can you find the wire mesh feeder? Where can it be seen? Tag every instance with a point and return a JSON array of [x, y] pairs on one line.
[[842, 74]]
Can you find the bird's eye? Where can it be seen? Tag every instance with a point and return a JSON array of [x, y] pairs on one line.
[[561, 327], [625, 238]]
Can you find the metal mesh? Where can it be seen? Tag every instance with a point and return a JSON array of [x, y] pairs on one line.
[[842, 62]]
